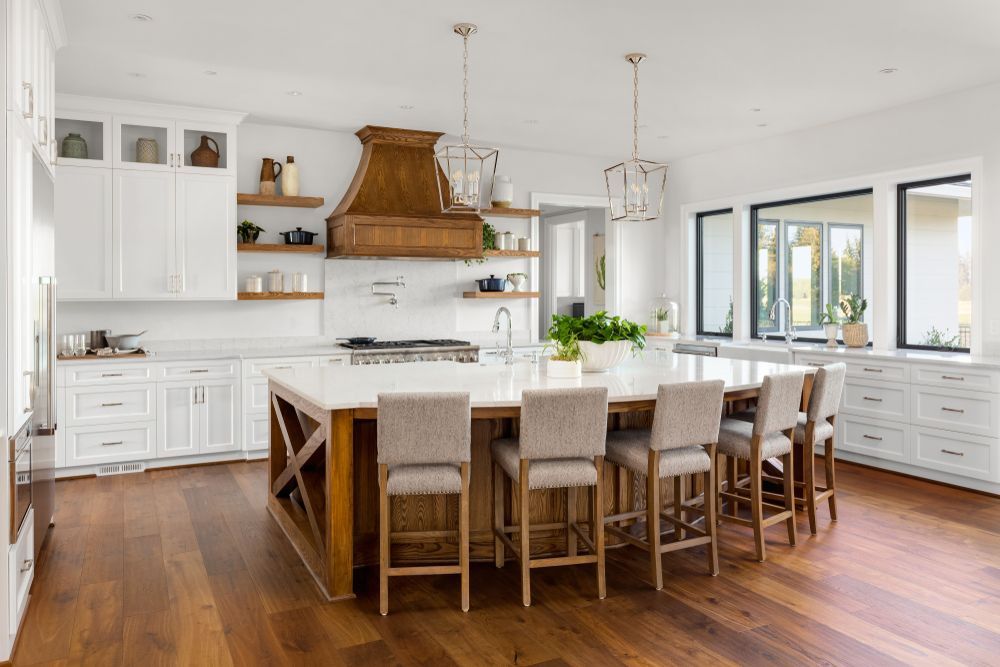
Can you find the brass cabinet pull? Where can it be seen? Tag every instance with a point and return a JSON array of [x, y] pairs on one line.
[[958, 410], [873, 437], [873, 398], [948, 451], [953, 377]]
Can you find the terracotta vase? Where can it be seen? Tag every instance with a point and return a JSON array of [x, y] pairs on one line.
[[270, 169], [205, 155]]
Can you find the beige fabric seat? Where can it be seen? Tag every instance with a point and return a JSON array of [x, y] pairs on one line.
[[824, 429], [424, 448], [769, 435], [561, 445], [681, 442]]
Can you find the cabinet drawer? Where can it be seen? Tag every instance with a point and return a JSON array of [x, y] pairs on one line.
[[110, 405], [968, 412], [189, 370], [21, 571], [335, 360], [254, 368], [256, 432], [967, 455], [877, 399], [957, 378], [84, 373], [255, 395], [88, 445], [884, 440], [886, 371]]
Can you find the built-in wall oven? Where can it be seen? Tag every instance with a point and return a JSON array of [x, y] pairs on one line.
[[19, 463]]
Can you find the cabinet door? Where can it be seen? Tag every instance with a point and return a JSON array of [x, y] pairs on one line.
[[206, 236], [144, 236], [20, 342], [221, 138], [21, 88], [155, 151], [83, 233], [178, 419], [220, 413]]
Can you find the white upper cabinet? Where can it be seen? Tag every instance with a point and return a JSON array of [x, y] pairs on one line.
[[31, 73], [206, 249], [200, 145], [144, 236], [84, 233], [165, 144]]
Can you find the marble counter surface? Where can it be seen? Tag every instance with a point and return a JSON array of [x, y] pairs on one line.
[[208, 355], [347, 387]]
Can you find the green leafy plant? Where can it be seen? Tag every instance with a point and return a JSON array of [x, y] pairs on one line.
[[598, 328], [248, 231], [830, 316], [601, 268], [489, 242], [943, 339], [661, 314], [854, 308], [727, 324]]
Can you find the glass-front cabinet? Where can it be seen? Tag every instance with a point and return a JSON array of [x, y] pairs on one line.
[[159, 144]]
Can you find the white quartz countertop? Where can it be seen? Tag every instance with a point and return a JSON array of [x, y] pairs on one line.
[[347, 387], [229, 353]]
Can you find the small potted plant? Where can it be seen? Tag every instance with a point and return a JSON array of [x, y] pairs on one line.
[[855, 331], [565, 362], [830, 321], [660, 316], [517, 280], [248, 231]]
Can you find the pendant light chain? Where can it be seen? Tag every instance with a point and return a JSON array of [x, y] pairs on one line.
[[465, 89], [635, 109]]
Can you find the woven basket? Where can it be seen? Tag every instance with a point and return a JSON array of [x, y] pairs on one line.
[[855, 335]]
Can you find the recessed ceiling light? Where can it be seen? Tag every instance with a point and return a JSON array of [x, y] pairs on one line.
[[137, 75], [141, 17], [294, 93], [761, 124], [888, 70], [406, 107], [210, 72], [755, 109]]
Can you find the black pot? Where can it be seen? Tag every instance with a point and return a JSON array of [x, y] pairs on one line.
[[492, 284], [298, 237], [359, 340]]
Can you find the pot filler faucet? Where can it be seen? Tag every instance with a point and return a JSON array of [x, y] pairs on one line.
[[508, 354], [789, 332], [398, 282]]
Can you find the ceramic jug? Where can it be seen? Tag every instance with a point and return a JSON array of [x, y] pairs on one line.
[[290, 178], [268, 174], [205, 155], [74, 146]]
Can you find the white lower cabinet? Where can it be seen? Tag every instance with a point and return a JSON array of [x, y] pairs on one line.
[[256, 432], [97, 445], [220, 417], [961, 454], [197, 418], [883, 440], [20, 572]]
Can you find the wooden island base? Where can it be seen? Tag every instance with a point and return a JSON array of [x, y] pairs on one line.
[[324, 490]]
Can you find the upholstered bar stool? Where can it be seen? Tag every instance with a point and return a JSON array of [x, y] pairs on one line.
[[424, 448], [769, 435], [681, 442], [561, 445]]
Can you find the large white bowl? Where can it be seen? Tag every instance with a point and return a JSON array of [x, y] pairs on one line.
[[599, 357]]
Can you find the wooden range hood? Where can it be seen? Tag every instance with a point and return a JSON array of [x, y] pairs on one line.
[[393, 206]]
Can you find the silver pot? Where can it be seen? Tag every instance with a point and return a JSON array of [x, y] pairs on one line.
[[124, 341]]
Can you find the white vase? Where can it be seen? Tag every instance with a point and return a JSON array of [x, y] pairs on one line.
[[290, 178], [563, 369], [831, 334], [516, 280], [503, 192], [600, 357]]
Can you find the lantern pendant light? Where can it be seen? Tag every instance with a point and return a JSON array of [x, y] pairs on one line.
[[467, 170], [635, 187]]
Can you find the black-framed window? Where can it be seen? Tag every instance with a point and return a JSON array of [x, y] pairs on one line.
[[935, 264], [714, 272], [810, 252]]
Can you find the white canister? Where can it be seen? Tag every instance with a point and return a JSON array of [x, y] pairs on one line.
[[300, 282], [507, 241], [275, 281], [524, 243], [254, 284], [503, 192]]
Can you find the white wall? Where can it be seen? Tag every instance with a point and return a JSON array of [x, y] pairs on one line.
[[952, 127]]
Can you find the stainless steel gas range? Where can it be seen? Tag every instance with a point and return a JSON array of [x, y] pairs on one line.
[[403, 351]]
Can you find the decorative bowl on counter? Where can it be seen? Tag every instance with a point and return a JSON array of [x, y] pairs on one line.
[[492, 284], [600, 357]]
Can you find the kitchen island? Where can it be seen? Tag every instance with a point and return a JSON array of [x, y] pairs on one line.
[[322, 464]]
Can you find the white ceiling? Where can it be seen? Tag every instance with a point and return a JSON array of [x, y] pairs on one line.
[[557, 64]]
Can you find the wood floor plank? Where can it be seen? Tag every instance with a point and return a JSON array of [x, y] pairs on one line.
[[99, 617], [301, 633], [244, 620], [145, 587]]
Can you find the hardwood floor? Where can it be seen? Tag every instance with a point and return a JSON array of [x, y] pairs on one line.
[[185, 567]]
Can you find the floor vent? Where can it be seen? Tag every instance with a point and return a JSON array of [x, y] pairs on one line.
[[120, 468]]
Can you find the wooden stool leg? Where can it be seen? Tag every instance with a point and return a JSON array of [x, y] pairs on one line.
[[831, 484], [463, 536], [597, 520], [570, 520], [809, 479], [678, 507], [734, 507], [383, 540], [653, 518], [499, 551], [524, 526], [756, 502], [789, 483], [711, 508]]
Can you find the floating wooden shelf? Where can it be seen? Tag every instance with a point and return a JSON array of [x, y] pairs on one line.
[[509, 212], [277, 296], [279, 247], [511, 253], [247, 199], [500, 295]]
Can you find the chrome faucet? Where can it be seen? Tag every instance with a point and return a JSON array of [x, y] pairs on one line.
[[398, 282], [508, 354], [789, 332]]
